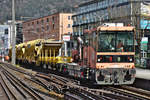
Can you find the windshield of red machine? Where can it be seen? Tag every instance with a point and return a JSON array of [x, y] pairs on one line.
[[116, 41]]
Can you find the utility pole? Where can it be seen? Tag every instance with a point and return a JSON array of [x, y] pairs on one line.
[[131, 12], [13, 61]]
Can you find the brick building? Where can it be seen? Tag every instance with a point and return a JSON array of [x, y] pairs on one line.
[[48, 27]]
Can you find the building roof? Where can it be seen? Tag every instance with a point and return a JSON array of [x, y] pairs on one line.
[[45, 16], [87, 3], [94, 1]]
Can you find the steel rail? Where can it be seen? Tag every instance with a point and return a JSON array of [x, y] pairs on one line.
[[59, 83], [130, 94], [7, 90], [16, 95], [24, 86], [38, 81], [22, 90], [17, 86], [86, 94], [136, 90]]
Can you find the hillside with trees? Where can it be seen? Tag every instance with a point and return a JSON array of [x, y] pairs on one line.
[[36, 8]]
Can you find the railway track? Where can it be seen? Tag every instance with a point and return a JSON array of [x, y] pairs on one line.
[[5, 93], [122, 93], [62, 85], [137, 90], [76, 92], [70, 89], [132, 92], [18, 89]]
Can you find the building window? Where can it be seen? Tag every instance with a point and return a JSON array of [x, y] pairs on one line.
[[37, 22], [6, 31], [68, 25], [47, 19], [68, 17], [53, 18], [42, 21]]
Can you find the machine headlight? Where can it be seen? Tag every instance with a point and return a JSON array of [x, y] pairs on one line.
[[71, 60], [130, 59], [98, 60]]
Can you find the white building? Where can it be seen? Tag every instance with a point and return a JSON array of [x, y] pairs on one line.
[[4, 39]]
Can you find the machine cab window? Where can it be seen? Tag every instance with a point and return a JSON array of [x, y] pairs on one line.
[[115, 42]]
